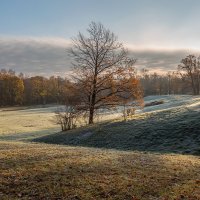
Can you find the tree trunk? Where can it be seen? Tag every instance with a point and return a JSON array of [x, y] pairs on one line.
[[198, 84], [92, 104], [91, 115], [192, 83]]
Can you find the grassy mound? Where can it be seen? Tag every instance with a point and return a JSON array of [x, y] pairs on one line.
[[175, 130]]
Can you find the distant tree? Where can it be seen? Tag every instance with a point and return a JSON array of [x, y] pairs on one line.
[[53, 88], [191, 67], [11, 88], [39, 89], [171, 82], [103, 70], [17, 90]]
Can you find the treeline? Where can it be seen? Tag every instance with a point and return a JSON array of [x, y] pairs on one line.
[[165, 84], [20, 90], [186, 80], [17, 89]]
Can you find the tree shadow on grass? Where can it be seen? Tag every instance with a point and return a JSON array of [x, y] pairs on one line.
[[163, 133]]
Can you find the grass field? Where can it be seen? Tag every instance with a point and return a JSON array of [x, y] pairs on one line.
[[19, 124], [141, 159], [35, 171]]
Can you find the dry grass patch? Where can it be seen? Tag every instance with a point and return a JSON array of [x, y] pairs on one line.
[[40, 171]]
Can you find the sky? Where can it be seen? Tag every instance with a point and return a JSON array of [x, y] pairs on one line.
[[34, 34]]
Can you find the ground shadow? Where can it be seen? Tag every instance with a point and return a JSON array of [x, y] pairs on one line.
[[164, 132]]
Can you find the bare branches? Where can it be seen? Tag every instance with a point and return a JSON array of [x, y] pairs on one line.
[[191, 66], [101, 65]]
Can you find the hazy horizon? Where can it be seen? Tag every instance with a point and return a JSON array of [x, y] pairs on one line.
[[34, 35]]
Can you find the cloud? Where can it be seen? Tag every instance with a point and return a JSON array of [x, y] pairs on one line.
[[48, 56], [159, 60], [44, 56]]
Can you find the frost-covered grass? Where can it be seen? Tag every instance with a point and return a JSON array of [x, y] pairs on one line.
[[172, 101], [174, 128], [170, 127], [20, 123], [27, 123]]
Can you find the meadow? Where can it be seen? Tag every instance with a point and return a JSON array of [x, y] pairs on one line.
[[153, 155]]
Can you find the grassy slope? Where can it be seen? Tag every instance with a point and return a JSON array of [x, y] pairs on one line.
[[175, 130], [35, 171]]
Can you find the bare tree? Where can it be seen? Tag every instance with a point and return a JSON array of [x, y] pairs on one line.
[[102, 69], [191, 66]]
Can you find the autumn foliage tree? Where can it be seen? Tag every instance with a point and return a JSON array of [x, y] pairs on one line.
[[11, 88], [21, 90], [102, 70]]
